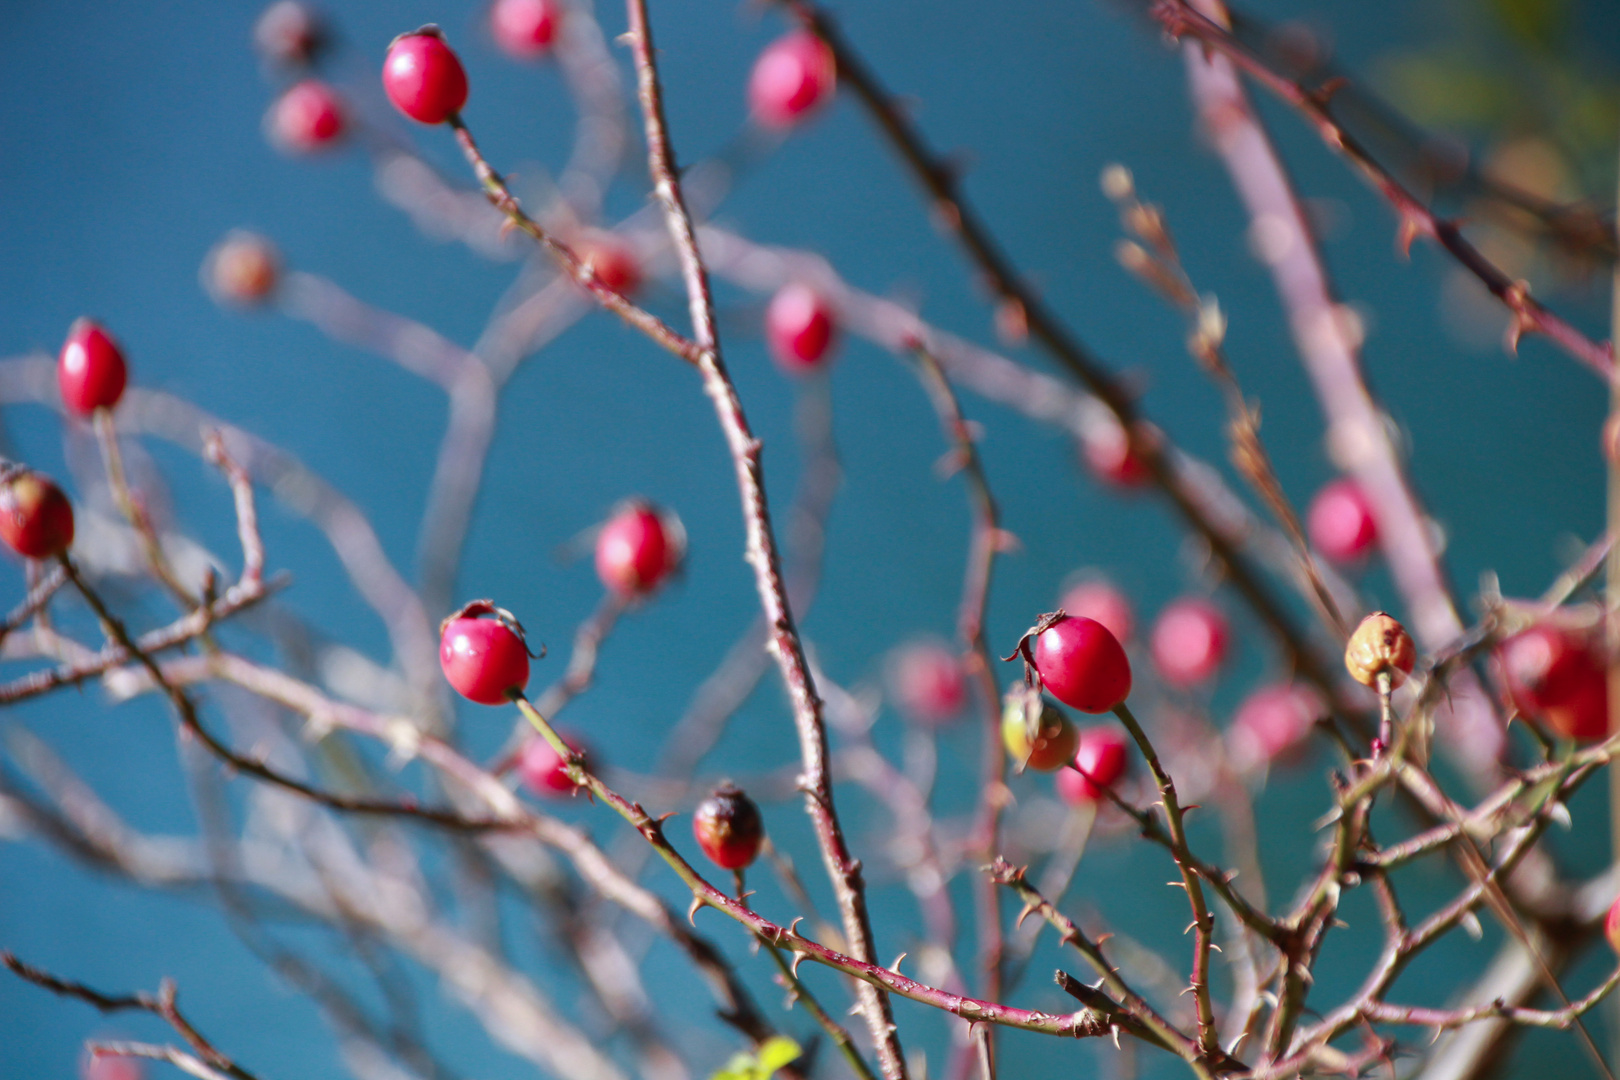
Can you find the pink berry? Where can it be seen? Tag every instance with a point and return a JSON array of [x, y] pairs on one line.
[[799, 328], [1082, 664], [112, 1067], [482, 652], [927, 682], [1189, 641], [611, 259], [1559, 676], [543, 770], [793, 77], [1340, 522], [1109, 455], [1097, 599], [1272, 721], [242, 269], [288, 34], [729, 828], [637, 549], [90, 369], [424, 78], [1611, 925], [1099, 762], [525, 29], [307, 118], [36, 519]]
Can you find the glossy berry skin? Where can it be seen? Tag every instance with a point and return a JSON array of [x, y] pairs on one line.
[[636, 551], [543, 770], [485, 659], [1102, 602], [1340, 522], [1099, 762], [1271, 722], [612, 260], [525, 29], [424, 78], [242, 269], [1611, 925], [1189, 642], [799, 328], [90, 369], [927, 682], [1108, 453], [308, 118], [1082, 664], [793, 77], [728, 828], [36, 519], [1055, 737], [1558, 676]]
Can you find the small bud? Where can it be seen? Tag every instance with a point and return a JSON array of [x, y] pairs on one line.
[[728, 827], [1380, 644]]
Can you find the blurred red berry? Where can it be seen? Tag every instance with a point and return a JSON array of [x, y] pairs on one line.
[[611, 259], [637, 549], [482, 652], [308, 117], [927, 681], [799, 328], [793, 77], [288, 34], [1272, 721], [728, 828], [1189, 641], [1559, 676], [90, 369], [112, 1067], [525, 29], [1099, 762], [1109, 455], [242, 269], [424, 78], [543, 770], [1611, 925], [36, 519], [1098, 600], [1082, 664], [1340, 522]]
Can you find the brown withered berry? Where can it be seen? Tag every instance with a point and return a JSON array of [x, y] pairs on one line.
[[1380, 644]]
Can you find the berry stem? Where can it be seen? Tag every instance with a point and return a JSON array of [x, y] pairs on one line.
[[118, 481]]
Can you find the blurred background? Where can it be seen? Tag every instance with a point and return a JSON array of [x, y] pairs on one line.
[[133, 140]]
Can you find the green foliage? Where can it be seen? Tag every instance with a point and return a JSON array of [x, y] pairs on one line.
[[777, 1051]]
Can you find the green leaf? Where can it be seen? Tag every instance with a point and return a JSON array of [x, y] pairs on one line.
[[775, 1052]]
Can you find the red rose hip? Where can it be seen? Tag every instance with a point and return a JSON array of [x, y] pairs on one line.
[[1611, 925], [543, 770], [799, 328], [927, 682], [308, 118], [483, 654], [1108, 453], [1271, 722], [1340, 522], [36, 519], [424, 78], [793, 77], [1082, 664], [637, 549], [1189, 641], [728, 828], [525, 29], [1559, 676], [611, 259], [1099, 762], [90, 369]]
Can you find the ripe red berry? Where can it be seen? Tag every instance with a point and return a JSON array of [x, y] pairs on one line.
[[1082, 664], [611, 259], [1340, 522], [307, 118], [424, 78], [112, 1067], [1109, 455], [637, 549], [1045, 744], [799, 328], [1559, 676], [36, 519], [242, 269], [793, 77], [1097, 599], [728, 828], [1099, 762], [543, 770], [525, 29], [288, 34], [1611, 925], [482, 652], [90, 370], [1189, 641], [927, 683], [1271, 721]]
